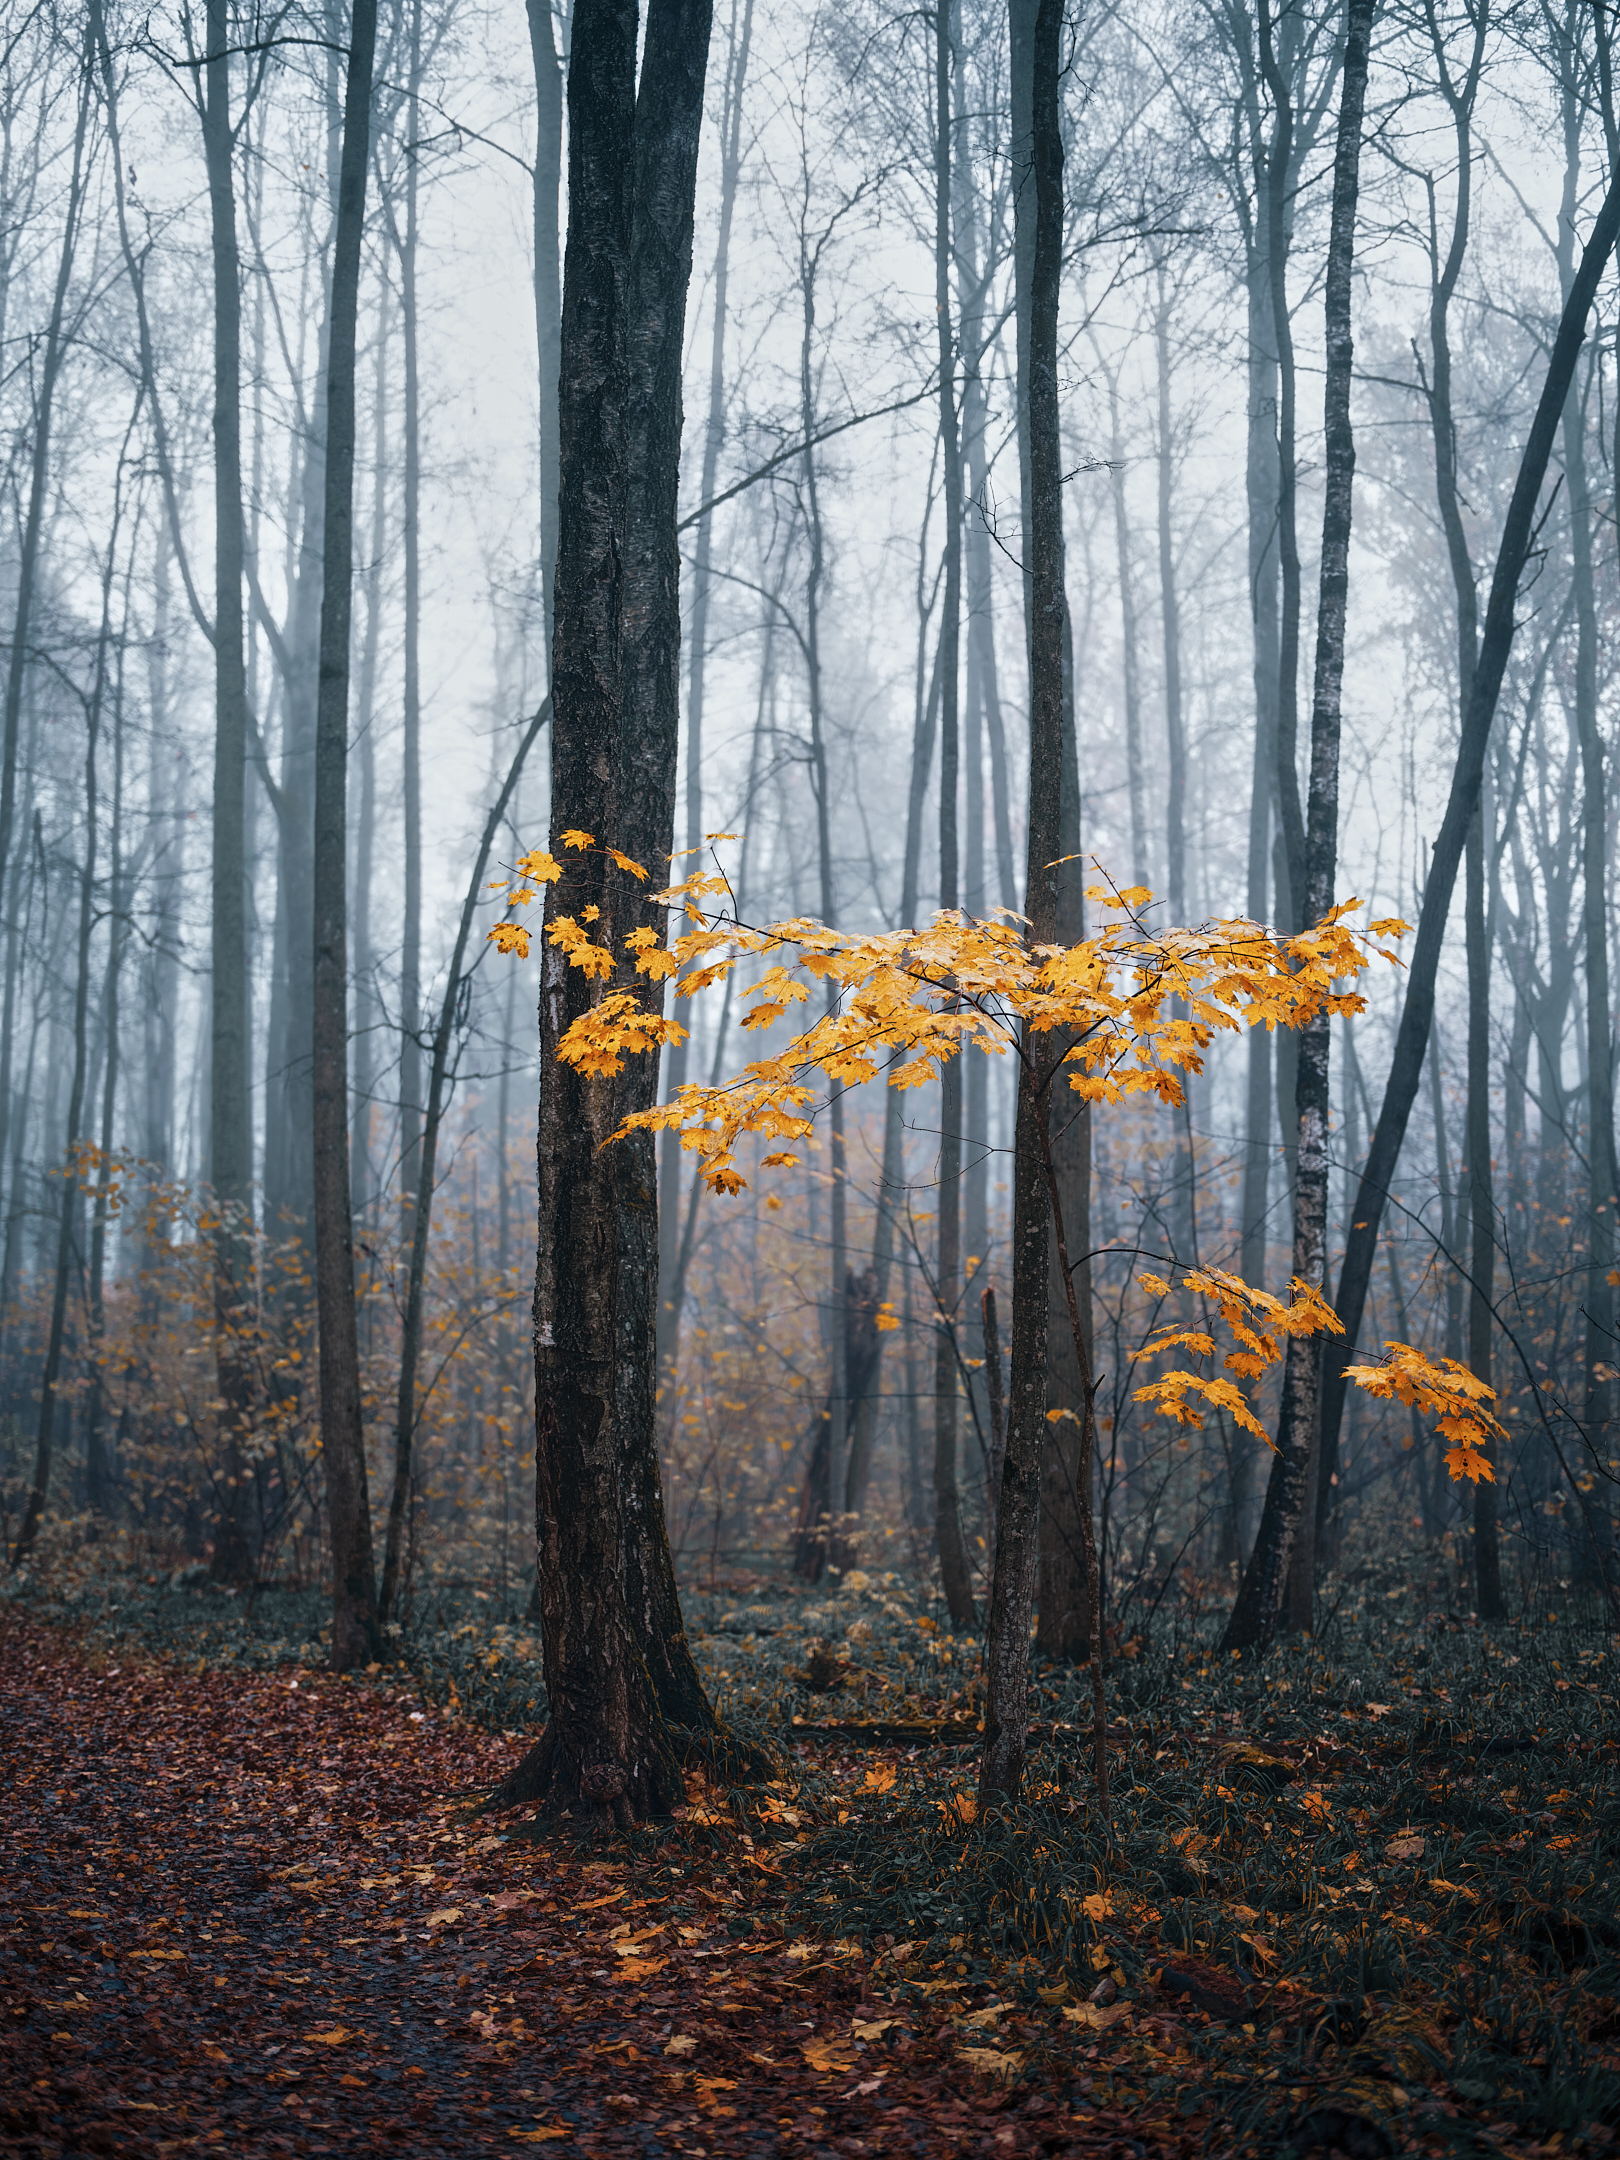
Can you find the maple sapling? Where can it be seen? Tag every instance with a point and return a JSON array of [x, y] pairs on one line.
[[1127, 1011]]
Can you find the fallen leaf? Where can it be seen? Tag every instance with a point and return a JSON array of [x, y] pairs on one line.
[[828, 2055], [872, 2029], [1408, 1846], [332, 2036], [680, 2044], [639, 1968], [880, 1778], [1095, 2016], [1100, 1905], [540, 2137], [446, 1918], [992, 2062]]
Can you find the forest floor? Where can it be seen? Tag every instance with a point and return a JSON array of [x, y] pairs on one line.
[[1363, 1899]]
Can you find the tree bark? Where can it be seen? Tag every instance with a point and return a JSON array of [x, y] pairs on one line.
[[1037, 159], [356, 1637], [1417, 1006], [615, 1655], [955, 1575], [1284, 1558]]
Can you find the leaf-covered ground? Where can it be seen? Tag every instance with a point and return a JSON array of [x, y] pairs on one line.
[[1363, 1898]]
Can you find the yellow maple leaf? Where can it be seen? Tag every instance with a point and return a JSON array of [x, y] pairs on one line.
[[574, 838]]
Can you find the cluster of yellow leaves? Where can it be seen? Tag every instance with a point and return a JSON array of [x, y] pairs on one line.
[[1448, 1392], [1257, 1319], [1136, 1007], [1260, 1323], [1133, 1008]]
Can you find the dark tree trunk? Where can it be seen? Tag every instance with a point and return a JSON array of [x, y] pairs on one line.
[[1417, 1006], [955, 1576], [616, 1662], [356, 1637], [230, 1142], [1038, 199], [1284, 1557]]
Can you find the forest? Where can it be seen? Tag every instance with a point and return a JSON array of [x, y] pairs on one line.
[[686, 1467]]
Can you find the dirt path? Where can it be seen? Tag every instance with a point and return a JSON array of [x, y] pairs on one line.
[[247, 1912]]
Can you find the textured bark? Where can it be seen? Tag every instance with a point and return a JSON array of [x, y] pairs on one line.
[[1038, 203], [1417, 1005], [1285, 1551], [618, 1673], [356, 1638]]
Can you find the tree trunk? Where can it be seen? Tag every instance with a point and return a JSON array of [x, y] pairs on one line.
[[1037, 160], [410, 951], [1064, 1599], [407, 1408], [366, 1013], [955, 1575], [1603, 1181], [672, 1279], [45, 1431], [1261, 487], [1284, 1557], [28, 547], [98, 1468], [1481, 1199], [1417, 1006], [615, 1655], [1277, 69], [356, 1637]]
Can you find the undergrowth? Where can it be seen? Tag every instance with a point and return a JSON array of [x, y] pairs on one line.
[[1359, 1895]]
